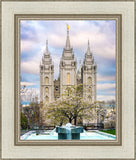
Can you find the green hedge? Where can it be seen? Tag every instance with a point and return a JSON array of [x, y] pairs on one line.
[[111, 131]]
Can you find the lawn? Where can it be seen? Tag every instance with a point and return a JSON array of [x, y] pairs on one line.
[[110, 131]]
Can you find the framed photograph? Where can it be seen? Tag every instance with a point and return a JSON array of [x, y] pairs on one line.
[[68, 80], [68, 100]]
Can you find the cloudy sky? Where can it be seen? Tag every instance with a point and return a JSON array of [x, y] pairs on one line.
[[100, 33]]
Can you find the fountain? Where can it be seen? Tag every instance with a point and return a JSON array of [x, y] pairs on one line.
[[52, 132], [69, 131]]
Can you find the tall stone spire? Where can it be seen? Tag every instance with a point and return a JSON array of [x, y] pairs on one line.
[[67, 47], [67, 66], [47, 51], [46, 77], [88, 49]]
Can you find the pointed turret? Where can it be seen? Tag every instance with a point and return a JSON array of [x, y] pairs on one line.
[[88, 49], [67, 47], [68, 50], [88, 55], [46, 57], [46, 51]]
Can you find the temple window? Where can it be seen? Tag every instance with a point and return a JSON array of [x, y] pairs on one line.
[[68, 78], [89, 80], [90, 98], [46, 80], [47, 90], [56, 88], [47, 99]]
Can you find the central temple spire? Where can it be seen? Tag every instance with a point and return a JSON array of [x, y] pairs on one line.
[[67, 41]]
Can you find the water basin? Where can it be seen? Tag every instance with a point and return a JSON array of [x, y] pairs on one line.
[[91, 135]]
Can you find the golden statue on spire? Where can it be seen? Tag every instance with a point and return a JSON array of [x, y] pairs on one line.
[[67, 27]]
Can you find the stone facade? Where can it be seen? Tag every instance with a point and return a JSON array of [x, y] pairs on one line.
[[51, 89]]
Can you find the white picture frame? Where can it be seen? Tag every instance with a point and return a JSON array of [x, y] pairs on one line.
[[124, 151]]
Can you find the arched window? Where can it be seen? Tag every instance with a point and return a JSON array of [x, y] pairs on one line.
[[68, 78], [46, 80], [56, 88], [89, 81], [90, 89], [90, 98], [47, 99], [47, 90]]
